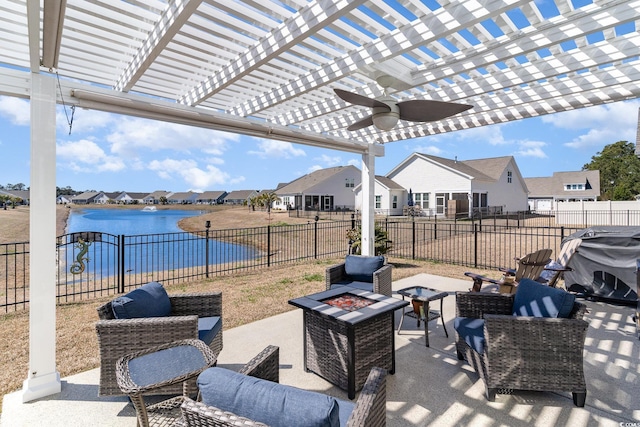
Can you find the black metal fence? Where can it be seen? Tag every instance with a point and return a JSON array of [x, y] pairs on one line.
[[96, 264]]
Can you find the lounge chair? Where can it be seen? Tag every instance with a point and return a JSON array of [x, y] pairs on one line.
[[555, 270], [147, 317], [533, 340], [369, 273], [529, 267]]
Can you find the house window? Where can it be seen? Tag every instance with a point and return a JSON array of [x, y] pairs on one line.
[[395, 202], [509, 177], [349, 182], [421, 200], [574, 187], [378, 202]]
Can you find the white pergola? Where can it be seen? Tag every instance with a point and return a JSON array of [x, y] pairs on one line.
[[268, 68]]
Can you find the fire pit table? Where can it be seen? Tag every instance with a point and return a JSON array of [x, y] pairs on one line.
[[347, 332]]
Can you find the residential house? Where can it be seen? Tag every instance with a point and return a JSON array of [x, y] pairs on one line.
[[154, 198], [113, 197], [90, 197], [240, 197], [64, 199], [129, 198], [449, 186], [182, 198], [211, 198], [544, 192], [390, 197], [325, 189], [22, 195]]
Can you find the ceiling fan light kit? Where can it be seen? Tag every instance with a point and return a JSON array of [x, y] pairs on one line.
[[386, 118]]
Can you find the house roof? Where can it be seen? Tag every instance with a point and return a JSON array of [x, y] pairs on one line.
[[136, 196], [87, 195], [188, 195], [489, 169], [302, 184], [240, 194], [157, 194], [211, 195], [23, 194], [386, 182], [554, 186]]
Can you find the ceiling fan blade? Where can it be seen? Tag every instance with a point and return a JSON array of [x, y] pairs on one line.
[[367, 121], [419, 110], [354, 98]]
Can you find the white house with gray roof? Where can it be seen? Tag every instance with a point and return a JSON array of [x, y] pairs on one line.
[[545, 192], [390, 197], [444, 186], [327, 189]]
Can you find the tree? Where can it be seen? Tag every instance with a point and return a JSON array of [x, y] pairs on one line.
[[619, 171], [381, 245]]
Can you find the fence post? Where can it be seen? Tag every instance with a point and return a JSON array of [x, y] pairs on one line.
[[413, 239], [207, 225], [475, 245], [353, 221], [315, 238], [269, 245], [561, 233], [120, 263]]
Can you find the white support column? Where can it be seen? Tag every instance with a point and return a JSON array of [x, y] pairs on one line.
[[368, 200], [43, 378]]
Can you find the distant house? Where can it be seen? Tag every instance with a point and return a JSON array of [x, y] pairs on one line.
[[154, 198], [64, 199], [90, 197], [128, 197], [390, 197], [449, 186], [183, 198], [211, 198], [563, 187], [23, 195], [113, 197], [325, 190], [240, 197]]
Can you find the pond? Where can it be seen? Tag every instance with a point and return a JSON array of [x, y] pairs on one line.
[[153, 241]]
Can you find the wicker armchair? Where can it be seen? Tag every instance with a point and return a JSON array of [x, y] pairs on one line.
[[524, 353], [369, 409], [117, 337], [379, 284]]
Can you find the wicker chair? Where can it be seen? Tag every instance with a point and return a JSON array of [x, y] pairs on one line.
[[117, 337], [369, 410], [524, 353], [380, 284]]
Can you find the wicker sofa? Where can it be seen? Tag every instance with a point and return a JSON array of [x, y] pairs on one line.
[[369, 273], [511, 351], [194, 315], [275, 404]]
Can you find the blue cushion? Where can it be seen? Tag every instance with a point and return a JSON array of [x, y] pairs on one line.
[[472, 331], [149, 300], [365, 286], [208, 328], [361, 268], [538, 300], [267, 402], [345, 409]]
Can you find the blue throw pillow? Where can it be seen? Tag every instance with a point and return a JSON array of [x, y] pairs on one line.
[[267, 402], [471, 331], [538, 300], [361, 268], [149, 300]]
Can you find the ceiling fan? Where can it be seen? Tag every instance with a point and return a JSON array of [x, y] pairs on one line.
[[387, 111]]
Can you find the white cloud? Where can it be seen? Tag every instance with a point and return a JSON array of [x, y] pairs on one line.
[[604, 124], [531, 149], [355, 162], [428, 149], [330, 160], [133, 134], [86, 156], [314, 168], [190, 173], [279, 149], [84, 121], [15, 109]]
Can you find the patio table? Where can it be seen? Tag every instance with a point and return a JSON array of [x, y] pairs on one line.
[[347, 332], [172, 363]]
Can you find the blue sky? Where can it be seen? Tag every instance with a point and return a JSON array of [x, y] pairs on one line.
[[109, 152]]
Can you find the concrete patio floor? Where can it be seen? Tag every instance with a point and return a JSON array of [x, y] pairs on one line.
[[430, 386]]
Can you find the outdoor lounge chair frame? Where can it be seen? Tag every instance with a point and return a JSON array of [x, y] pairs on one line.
[[117, 337], [524, 353], [529, 267], [381, 278], [370, 407]]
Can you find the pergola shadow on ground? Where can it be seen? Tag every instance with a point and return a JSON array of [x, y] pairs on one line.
[[431, 387]]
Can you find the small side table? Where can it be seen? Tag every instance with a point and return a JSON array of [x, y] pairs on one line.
[[420, 299], [172, 363]]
